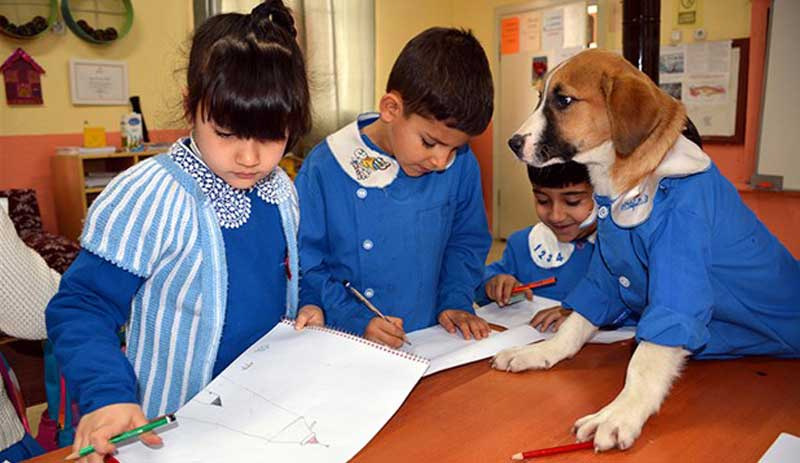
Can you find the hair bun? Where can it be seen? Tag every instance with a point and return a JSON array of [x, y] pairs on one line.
[[273, 13]]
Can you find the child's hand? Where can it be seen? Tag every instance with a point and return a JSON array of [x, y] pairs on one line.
[[390, 334], [471, 326], [309, 315], [548, 318], [499, 289], [98, 427]]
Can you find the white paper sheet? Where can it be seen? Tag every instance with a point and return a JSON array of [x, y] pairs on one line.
[[447, 350], [785, 449], [313, 395], [515, 314], [522, 312]]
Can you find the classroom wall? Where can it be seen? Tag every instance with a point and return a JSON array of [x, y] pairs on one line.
[[30, 134]]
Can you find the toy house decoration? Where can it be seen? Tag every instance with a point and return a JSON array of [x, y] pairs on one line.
[[22, 76]]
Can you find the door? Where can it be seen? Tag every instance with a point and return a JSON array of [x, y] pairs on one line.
[[551, 29]]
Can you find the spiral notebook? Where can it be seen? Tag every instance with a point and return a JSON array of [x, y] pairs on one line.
[[312, 395]]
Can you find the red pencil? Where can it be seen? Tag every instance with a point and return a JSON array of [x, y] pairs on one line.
[[553, 450], [535, 284]]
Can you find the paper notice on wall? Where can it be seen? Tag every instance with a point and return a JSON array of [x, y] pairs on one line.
[[509, 35], [530, 31], [553, 29], [563, 54], [706, 89], [671, 63], [708, 57]]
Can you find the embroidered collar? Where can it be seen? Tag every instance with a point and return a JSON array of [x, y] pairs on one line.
[[633, 207], [368, 167], [231, 205]]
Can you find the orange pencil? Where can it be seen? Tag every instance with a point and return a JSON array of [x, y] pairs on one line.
[[553, 450], [535, 284]]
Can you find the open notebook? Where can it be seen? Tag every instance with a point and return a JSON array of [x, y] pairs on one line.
[[445, 350], [312, 395]]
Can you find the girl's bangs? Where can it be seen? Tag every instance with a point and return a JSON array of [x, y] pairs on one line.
[[264, 103]]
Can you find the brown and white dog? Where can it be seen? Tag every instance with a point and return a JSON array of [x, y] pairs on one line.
[[599, 110]]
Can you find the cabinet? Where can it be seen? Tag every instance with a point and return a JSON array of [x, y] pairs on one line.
[[79, 178]]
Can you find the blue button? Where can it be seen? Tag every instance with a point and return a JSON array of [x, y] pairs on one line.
[[361, 193], [369, 292], [367, 245]]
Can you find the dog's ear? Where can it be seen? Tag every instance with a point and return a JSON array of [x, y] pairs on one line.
[[634, 106]]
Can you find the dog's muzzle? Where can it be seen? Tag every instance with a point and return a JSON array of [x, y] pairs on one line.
[[517, 144]]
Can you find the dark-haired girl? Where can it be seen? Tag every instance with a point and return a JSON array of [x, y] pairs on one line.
[[193, 251]]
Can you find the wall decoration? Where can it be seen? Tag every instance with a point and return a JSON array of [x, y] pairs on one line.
[[95, 82], [100, 26], [27, 20], [22, 77]]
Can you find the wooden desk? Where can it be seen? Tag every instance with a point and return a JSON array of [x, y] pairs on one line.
[[719, 411]]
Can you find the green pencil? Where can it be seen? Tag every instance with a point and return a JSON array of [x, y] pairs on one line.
[[126, 435]]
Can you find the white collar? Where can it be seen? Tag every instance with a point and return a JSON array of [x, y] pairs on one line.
[[368, 167], [633, 207], [231, 205], [546, 251]]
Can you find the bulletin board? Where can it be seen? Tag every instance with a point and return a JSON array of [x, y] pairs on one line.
[[710, 78]]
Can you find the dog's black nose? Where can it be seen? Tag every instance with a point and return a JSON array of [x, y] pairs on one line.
[[516, 143]]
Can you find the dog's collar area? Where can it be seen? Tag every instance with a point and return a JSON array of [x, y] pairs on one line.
[[633, 207]]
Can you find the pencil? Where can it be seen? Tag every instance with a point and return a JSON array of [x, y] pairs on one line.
[[125, 435], [553, 450], [369, 305], [535, 284]]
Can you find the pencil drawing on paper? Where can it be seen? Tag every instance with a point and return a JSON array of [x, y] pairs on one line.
[[240, 409]]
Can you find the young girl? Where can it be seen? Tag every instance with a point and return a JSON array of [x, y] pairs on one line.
[[193, 251]]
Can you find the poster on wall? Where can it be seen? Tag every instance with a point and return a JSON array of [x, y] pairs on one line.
[[704, 76], [94, 82]]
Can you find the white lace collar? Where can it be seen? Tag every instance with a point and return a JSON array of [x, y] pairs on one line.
[[633, 207], [231, 205]]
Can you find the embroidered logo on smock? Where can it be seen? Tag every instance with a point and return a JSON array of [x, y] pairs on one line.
[[364, 164], [231, 205], [634, 202]]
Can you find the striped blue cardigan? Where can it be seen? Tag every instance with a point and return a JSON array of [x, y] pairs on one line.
[[158, 222]]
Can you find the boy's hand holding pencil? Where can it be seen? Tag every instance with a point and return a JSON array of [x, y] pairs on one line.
[[388, 331], [382, 329]]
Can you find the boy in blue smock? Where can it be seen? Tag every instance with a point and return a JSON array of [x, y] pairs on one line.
[[393, 203], [560, 245]]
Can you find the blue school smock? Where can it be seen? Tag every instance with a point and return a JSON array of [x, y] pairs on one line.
[[414, 246], [683, 253], [534, 253]]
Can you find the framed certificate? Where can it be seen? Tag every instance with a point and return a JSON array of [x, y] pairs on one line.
[[95, 82]]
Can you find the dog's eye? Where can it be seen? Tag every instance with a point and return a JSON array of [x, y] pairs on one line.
[[562, 101]]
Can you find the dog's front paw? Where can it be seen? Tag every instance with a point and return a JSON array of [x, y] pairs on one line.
[[616, 425], [516, 359]]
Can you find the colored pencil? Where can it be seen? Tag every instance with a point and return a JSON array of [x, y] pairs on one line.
[[553, 450], [535, 284], [125, 435]]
